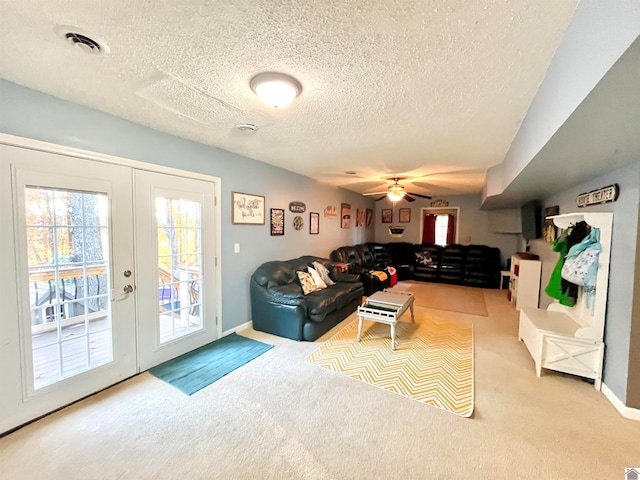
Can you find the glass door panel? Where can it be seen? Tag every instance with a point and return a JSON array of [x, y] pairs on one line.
[[69, 295], [179, 272]]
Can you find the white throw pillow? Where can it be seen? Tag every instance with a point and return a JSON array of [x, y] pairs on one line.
[[316, 278], [324, 273]]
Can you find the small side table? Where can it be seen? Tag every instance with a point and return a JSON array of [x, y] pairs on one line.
[[342, 267]]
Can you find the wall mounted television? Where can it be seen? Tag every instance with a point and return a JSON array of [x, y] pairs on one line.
[[531, 218]]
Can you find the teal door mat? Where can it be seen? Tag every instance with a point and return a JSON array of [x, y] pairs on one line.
[[201, 367]]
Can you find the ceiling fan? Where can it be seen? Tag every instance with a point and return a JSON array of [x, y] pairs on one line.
[[397, 192]]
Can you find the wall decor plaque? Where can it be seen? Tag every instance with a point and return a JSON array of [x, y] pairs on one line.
[[405, 215], [330, 211], [298, 222], [368, 218], [345, 215], [602, 195], [439, 203], [297, 207], [277, 221], [247, 209], [314, 223]]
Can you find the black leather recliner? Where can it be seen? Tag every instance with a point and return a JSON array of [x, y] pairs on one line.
[[452, 264], [402, 258], [427, 258], [362, 262], [482, 266]]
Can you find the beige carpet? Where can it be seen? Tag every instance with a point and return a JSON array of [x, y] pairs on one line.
[[280, 418], [452, 298], [432, 363]]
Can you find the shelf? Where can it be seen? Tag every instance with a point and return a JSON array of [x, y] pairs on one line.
[[595, 219]]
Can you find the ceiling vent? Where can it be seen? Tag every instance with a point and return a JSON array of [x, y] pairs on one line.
[[247, 127], [83, 42]]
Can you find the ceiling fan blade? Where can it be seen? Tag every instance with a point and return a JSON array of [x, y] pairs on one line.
[[419, 195], [408, 198], [374, 193], [381, 198]]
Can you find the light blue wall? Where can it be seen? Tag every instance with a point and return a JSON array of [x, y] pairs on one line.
[[31, 114], [473, 224], [621, 271]]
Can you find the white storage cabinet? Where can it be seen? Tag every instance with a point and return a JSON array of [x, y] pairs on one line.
[[524, 284]]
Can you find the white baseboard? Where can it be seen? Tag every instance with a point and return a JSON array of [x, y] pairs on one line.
[[627, 412], [248, 324]]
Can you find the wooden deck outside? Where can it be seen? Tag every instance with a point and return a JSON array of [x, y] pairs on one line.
[[80, 351]]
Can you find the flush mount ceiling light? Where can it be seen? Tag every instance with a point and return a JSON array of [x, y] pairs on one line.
[[396, 192], [276, 90]]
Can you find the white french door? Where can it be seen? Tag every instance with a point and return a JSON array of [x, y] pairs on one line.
[[107, 271], [176, 273], [73, 238]]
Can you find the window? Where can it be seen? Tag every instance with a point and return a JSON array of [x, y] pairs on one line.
[[442, 223]]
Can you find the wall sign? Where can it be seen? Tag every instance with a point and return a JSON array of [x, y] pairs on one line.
[[602, 195], [297, 207], [330, 211], [439, 203]]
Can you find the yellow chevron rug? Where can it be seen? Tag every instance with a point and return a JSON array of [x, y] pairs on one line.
[[432, 363]]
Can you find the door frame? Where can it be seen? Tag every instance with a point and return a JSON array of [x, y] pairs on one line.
[[10, 350], [439, 210]]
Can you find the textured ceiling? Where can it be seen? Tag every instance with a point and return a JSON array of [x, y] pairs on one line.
[[429, 89]]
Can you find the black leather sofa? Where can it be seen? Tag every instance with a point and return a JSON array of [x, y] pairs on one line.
[[278, 305], [472, 265], [364, 259]]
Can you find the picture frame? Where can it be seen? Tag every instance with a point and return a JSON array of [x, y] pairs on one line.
[[359, 217], [247, 209], [345, 215], [387, 215], [368, 218], [404, 215], [314, 223], [277, 221]]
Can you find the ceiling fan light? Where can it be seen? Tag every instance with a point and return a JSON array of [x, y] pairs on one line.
[[396, 192], [276, 90]]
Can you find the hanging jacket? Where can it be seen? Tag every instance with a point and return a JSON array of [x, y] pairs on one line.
[[554, 287]]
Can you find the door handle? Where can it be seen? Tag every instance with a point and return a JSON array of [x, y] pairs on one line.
[[128, 289]]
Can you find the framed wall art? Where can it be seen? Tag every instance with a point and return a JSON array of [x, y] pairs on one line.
[[387, 215], [247, 209], [314, 223], [404, 215], [277, 221], [368, 218], [345, 215], [359, 217]]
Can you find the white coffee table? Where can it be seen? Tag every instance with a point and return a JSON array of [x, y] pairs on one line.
[[386, 307]]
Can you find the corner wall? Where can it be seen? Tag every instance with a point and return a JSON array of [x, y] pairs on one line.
[[31, 114]]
